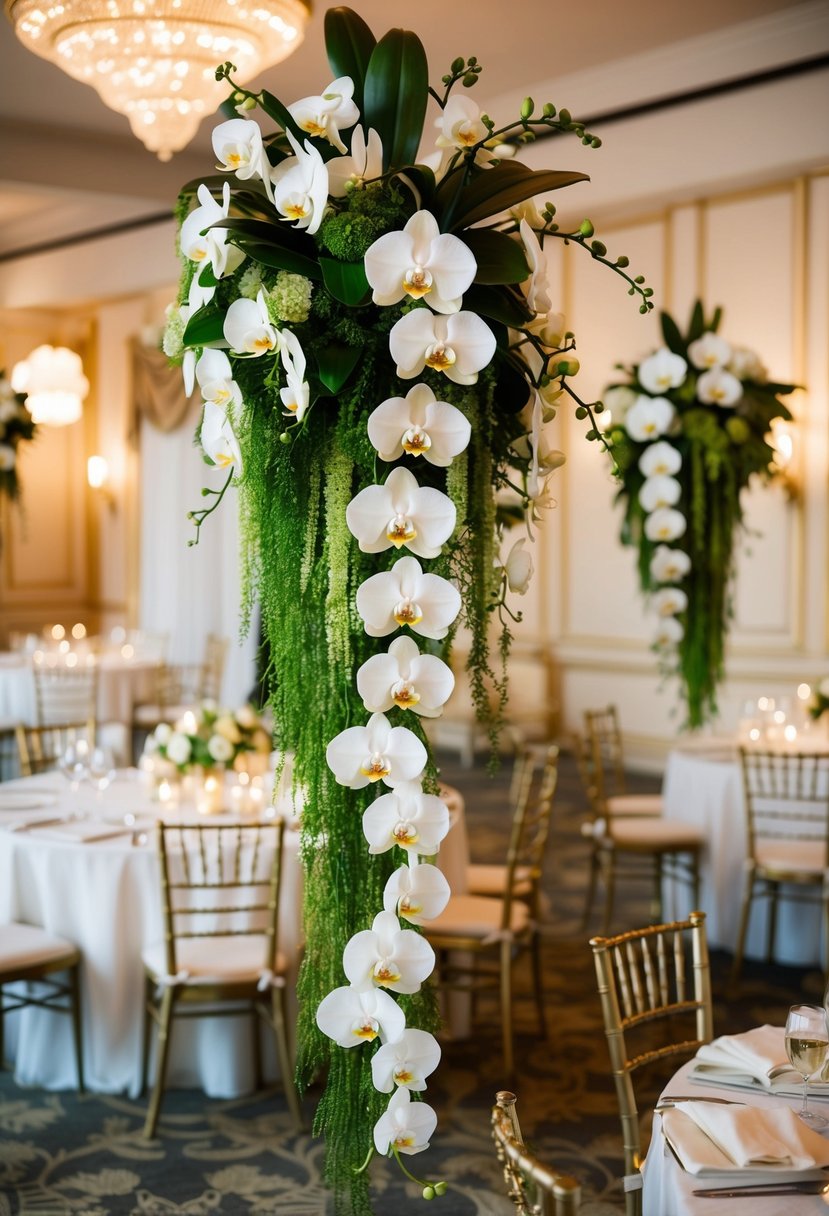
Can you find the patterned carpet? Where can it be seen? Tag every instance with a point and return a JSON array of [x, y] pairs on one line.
[[62, 1154]]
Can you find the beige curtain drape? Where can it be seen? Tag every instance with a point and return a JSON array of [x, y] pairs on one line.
[[157, 388]]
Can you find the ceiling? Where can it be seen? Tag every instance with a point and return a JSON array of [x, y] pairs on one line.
[[71, 164]]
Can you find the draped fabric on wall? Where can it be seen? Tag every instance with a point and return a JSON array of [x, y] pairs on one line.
[[158, 391]]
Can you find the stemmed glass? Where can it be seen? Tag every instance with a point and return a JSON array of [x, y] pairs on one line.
[[807, 1042], [74, 763], [101, 769]]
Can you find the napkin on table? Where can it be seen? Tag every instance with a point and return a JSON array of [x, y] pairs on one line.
[[749, 1140], [743, 1057]]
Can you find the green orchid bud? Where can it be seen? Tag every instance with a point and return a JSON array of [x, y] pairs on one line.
[[457, 66], [549, 110], [643, 308], [469, 79], [565, 117], [285, 438], [428, 1192], [599, 248], [440, 1188], [595, 142], [581, 412], [622, 261], [248, 104], [592, 435], [472, 61], [586, 228], [527, 107], [738, 430]]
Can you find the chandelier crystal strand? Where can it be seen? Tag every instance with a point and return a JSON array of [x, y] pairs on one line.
[[155, 60]]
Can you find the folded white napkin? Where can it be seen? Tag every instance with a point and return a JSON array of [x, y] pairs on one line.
[[82, 831], [752, 1054], [711, 1139]]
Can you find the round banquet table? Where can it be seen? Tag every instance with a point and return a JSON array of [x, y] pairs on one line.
[[705, 789], [104, 895], [121, 684]]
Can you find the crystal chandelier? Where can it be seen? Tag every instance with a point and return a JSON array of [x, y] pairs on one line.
[[155, 60], [52, 379]]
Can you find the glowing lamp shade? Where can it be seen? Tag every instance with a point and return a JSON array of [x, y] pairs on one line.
[[52, 379], [155, 60]]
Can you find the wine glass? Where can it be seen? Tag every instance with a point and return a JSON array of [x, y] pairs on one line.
[[101, 768], [807, 1042], [74, 763]]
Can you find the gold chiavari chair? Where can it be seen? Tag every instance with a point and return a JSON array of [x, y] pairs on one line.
[[220, 896], [40, 748], [786, 798], [604, 737], [642, 980], [180, 686], [534, 1189], [652, 846], [65, 694]]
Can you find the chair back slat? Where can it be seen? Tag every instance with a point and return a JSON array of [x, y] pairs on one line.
[[535, 788], [604, 741], [534, 1189], [40, 748], [65, 694], [786, 798]]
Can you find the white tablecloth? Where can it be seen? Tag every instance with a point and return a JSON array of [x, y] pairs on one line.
[[706, 791], [105, 897], [667, 1187], [121, 684]]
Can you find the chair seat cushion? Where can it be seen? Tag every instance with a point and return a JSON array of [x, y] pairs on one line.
[[214, 960], [634, 804], [492, 880], [477, 917], [649, 834], [790, 857], [24, 946]]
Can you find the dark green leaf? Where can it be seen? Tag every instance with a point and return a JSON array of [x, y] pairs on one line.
[[346, 281], [715, 320], [205, 327], [274, 109], [419, 178], [494, 190], [269, 233], [279, 257], [396, 93], [206, 276], [512, 390], [335, 363], [499, 304], [671, 334], [349, 43], [500, 259], [697, 327]]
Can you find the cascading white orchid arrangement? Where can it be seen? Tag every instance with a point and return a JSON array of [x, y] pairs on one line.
[[327, 266]]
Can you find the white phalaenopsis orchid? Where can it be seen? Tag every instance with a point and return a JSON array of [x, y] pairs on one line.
[[661, 370], [518, 567], [405, 595], [406, 1062], [537, 290], [211, 245], [745, 364], [544, 458], [377, 751], [217, 438], [388, 957], [661, 459], [239, 149], [669, 565], [363, 165], [665, 524], [529, 212], [418, 892], [352, 1016], [669, 633], [419, 425], [549, 328], [617, 401], [406, 678], [719, 387], [460, 124], [405, 1126], [215, 377], [459, 345], [300, 186], [420, 262], [669, 601], [401, 512], [649, 417], [296, 393], [323, 116], [659, 491], [408, 818], [248, 329], [710, 350]]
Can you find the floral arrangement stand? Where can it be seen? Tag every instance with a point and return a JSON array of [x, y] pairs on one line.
[[370, 325], [690, 428]]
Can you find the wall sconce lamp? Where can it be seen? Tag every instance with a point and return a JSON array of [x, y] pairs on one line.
[[97, 475], [782, 439]]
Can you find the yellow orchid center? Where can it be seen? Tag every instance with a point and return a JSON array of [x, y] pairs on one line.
[[367, 1030], [314, 128], [234, 159], [406, 905], [376, 767], [415, 441], [296, 211], [417, 282], [717, 393], [385, 972], [403, 694], [404, 1140], [405, 833], [223, 459], [649, 428], [403, 1076], [440, 357], [262, 342], [199, 253], [400, 531], [220, 394], [407, 613]]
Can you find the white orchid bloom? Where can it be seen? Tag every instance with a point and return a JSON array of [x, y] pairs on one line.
[[420, 262], [459, 345], [296, 393], [661, 370], [363, 165], [537, 290], [408, 818], [211, 246], [239, 149], [351, 1016], [377, 751], [617, 402], [419, 425], [323, 116], [400, 512], [708, 351], [669, 633], [406, 678], [529, 212], [518, 567], [199, 294], [417, 892], [188, 362], [406, 1062], [300, 186], [405, 1125], [649, 417], [659, 491], [660, 459], [215, 378], [719, 387], [669, 601], [669, 565], [665, 524], [405, 595], [217, 438], [746, 364], [549, 328], [387, 956], [248, 329], [544, 458], [460, 124]]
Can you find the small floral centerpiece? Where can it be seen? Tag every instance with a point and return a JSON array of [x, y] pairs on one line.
[[16, 427], [690, 428], [208, 737]]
